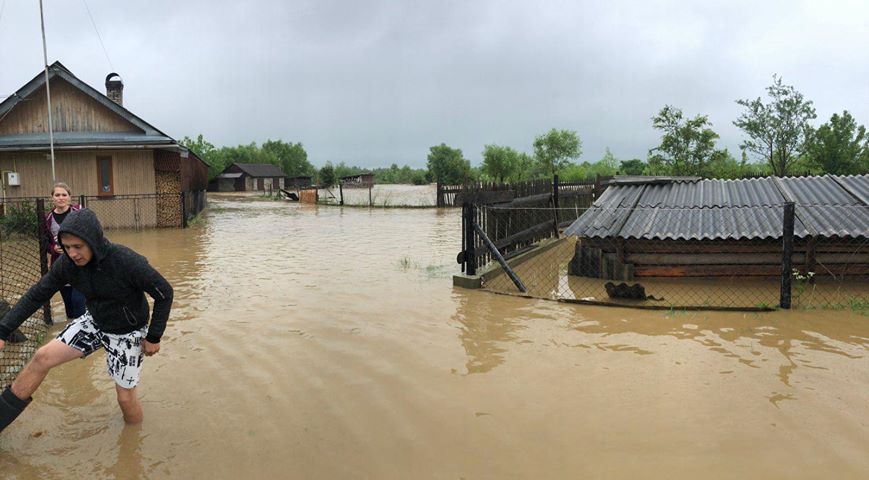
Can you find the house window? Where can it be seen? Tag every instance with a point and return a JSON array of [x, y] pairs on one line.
[[104, 176]]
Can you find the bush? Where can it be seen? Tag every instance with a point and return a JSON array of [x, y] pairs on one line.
[[20, 218]]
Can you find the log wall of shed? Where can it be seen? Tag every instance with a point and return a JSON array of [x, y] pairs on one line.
[[616, 259]]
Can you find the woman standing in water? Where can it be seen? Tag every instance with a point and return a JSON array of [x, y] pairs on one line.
[[73, 300]]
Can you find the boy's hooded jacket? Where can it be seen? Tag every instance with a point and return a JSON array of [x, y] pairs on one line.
[[114, 283]]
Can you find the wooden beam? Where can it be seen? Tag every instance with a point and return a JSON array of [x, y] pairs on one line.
[[693, 258], [734, 270]]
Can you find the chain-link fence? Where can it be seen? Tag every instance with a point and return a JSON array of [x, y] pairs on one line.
[[22, 263], [715, 258], [141, 211]]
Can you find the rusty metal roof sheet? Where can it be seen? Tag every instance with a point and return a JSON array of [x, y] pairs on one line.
[[729, 209]]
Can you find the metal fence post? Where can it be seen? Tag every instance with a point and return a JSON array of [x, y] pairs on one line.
[[42, 233], [81, 201], [555, 202], [183, 210], [787, 254], [341, 193], [470, 252]]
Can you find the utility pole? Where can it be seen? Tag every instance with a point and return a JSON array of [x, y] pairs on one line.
[[47, 94]]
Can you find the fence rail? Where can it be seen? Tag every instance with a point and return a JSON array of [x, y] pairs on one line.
[[494, 192]]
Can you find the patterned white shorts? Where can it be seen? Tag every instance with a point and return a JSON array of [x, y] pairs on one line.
[[123, 351]]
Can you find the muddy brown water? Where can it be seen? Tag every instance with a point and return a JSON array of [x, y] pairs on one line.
[[323, 342]]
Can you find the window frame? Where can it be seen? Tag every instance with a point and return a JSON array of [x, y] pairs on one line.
[[111, 180]]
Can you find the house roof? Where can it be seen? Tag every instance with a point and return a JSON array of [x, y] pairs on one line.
[[258, 170], [149, 134], [827, 206], [358, 175]]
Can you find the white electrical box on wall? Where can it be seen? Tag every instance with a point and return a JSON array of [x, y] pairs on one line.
[[12, 179]]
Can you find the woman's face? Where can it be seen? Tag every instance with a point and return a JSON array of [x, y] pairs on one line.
[[60, 198]]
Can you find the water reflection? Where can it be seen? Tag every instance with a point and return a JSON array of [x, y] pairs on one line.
[[484, 329], [128, 461], [785, 338]]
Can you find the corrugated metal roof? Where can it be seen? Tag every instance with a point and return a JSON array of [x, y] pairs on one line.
[[816, 191], [835, 221], [729, 209], [713, 193], [857, 185], [707, 223], [646, 179]]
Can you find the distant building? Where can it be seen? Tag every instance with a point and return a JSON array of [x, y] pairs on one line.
[[297, 183], [362, 180], [248, 177]]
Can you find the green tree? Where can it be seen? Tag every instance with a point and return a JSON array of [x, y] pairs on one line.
[[840, 146], [205, 151], [634, 166], [608, 165], [687, 145], [290, 157], [447, 165], [776, 130], [344, 170], [500, 162], [524, 167], [554, 150], [326, 176]]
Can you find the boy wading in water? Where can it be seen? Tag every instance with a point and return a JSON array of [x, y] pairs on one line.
[[113, 280]]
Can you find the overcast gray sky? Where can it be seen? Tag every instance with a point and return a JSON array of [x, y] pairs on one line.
[[374, 82]]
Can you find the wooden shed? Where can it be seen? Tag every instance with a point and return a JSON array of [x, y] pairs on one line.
[[102, 150], [248, 177], [723, 228], [362, 180], [300, 182]]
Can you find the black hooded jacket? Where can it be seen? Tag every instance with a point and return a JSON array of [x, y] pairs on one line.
[[114, 283]]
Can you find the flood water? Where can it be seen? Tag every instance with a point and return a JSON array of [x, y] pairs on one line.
[[321, 342]]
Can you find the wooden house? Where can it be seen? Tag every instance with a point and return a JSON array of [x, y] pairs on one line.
[[300, 182], [723, 228], [362, 180], [102, 150], [248, 177]]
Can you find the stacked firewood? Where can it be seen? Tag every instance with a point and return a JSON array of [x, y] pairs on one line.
[[168, 200]]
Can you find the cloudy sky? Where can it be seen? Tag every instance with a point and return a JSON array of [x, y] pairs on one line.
[[372, 82]]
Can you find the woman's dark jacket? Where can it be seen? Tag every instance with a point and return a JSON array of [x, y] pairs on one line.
[[114, 283]]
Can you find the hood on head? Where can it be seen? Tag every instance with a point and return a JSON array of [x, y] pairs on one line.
[[85, 225]]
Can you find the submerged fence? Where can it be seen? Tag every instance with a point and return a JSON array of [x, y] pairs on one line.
[[21, 265], [716, 258], [531, 190]]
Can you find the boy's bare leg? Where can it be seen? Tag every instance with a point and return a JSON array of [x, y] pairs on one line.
[[128, 400], [48, 356]]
